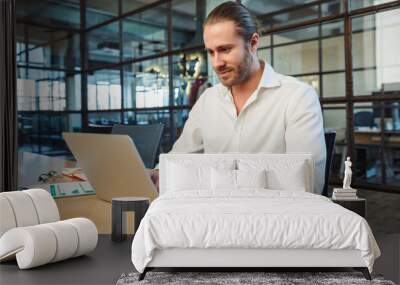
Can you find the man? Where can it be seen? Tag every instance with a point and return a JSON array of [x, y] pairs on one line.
[[253, 109]]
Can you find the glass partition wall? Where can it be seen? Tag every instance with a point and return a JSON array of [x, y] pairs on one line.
[[90, 63]]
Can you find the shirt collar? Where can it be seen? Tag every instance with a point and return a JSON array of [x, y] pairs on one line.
[[269, 79]]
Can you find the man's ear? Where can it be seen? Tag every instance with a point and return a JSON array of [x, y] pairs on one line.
[[254, 42]]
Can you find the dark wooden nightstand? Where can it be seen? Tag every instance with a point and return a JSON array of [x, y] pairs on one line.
[[358, 205]]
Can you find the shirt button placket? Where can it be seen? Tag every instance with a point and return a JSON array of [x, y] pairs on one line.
[[238, 131]]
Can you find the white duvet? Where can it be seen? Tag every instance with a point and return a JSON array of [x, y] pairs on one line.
[[250, 218]]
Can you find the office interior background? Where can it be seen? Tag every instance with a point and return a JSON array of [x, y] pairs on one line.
[[84, 65]]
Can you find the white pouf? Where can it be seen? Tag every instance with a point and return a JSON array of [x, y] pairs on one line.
[[31, 232]]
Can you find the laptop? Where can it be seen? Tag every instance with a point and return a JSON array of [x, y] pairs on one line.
[[112, 165]]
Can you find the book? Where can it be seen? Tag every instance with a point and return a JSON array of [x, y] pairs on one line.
[[68, 189], [344, 198], [345, 194], [341, 190]]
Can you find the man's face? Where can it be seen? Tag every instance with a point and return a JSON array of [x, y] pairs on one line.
[[230, 55]]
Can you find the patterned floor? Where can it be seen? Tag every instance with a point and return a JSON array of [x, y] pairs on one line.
[[243, 278]]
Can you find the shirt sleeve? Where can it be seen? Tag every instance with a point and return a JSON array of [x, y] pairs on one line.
[[191, 139], [305, 132]]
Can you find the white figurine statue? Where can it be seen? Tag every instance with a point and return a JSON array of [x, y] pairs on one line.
[[347, 174]]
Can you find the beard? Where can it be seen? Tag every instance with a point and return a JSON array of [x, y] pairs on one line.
[[240, 73]]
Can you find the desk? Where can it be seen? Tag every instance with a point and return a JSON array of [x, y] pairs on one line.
[[372, 139], [31, 165], [392, 139], [365, 139]]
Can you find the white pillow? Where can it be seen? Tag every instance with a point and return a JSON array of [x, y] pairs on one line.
[[183, 178], [251, 178], [292, 179], [186, 175], [223, 179], [280, 175], [236, 179]]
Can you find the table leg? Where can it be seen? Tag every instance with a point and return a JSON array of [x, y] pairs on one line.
[[140, 211], [117, 222]]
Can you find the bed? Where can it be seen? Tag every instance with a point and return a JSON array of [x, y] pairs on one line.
[[246, 211]]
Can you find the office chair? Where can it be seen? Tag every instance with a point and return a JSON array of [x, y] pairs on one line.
[[330, 138], [364, 119], [146, 138], [97, 129]]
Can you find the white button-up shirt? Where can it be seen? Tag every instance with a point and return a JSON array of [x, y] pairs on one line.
[[283, 115]]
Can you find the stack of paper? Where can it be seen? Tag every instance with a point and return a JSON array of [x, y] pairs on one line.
[[344, 194]]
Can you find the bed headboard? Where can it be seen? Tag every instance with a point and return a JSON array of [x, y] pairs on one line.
[[279, 162]]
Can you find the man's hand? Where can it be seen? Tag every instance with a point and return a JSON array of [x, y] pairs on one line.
[[154, 175]]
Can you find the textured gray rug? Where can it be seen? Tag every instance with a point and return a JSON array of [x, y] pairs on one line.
[[230, 278]]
